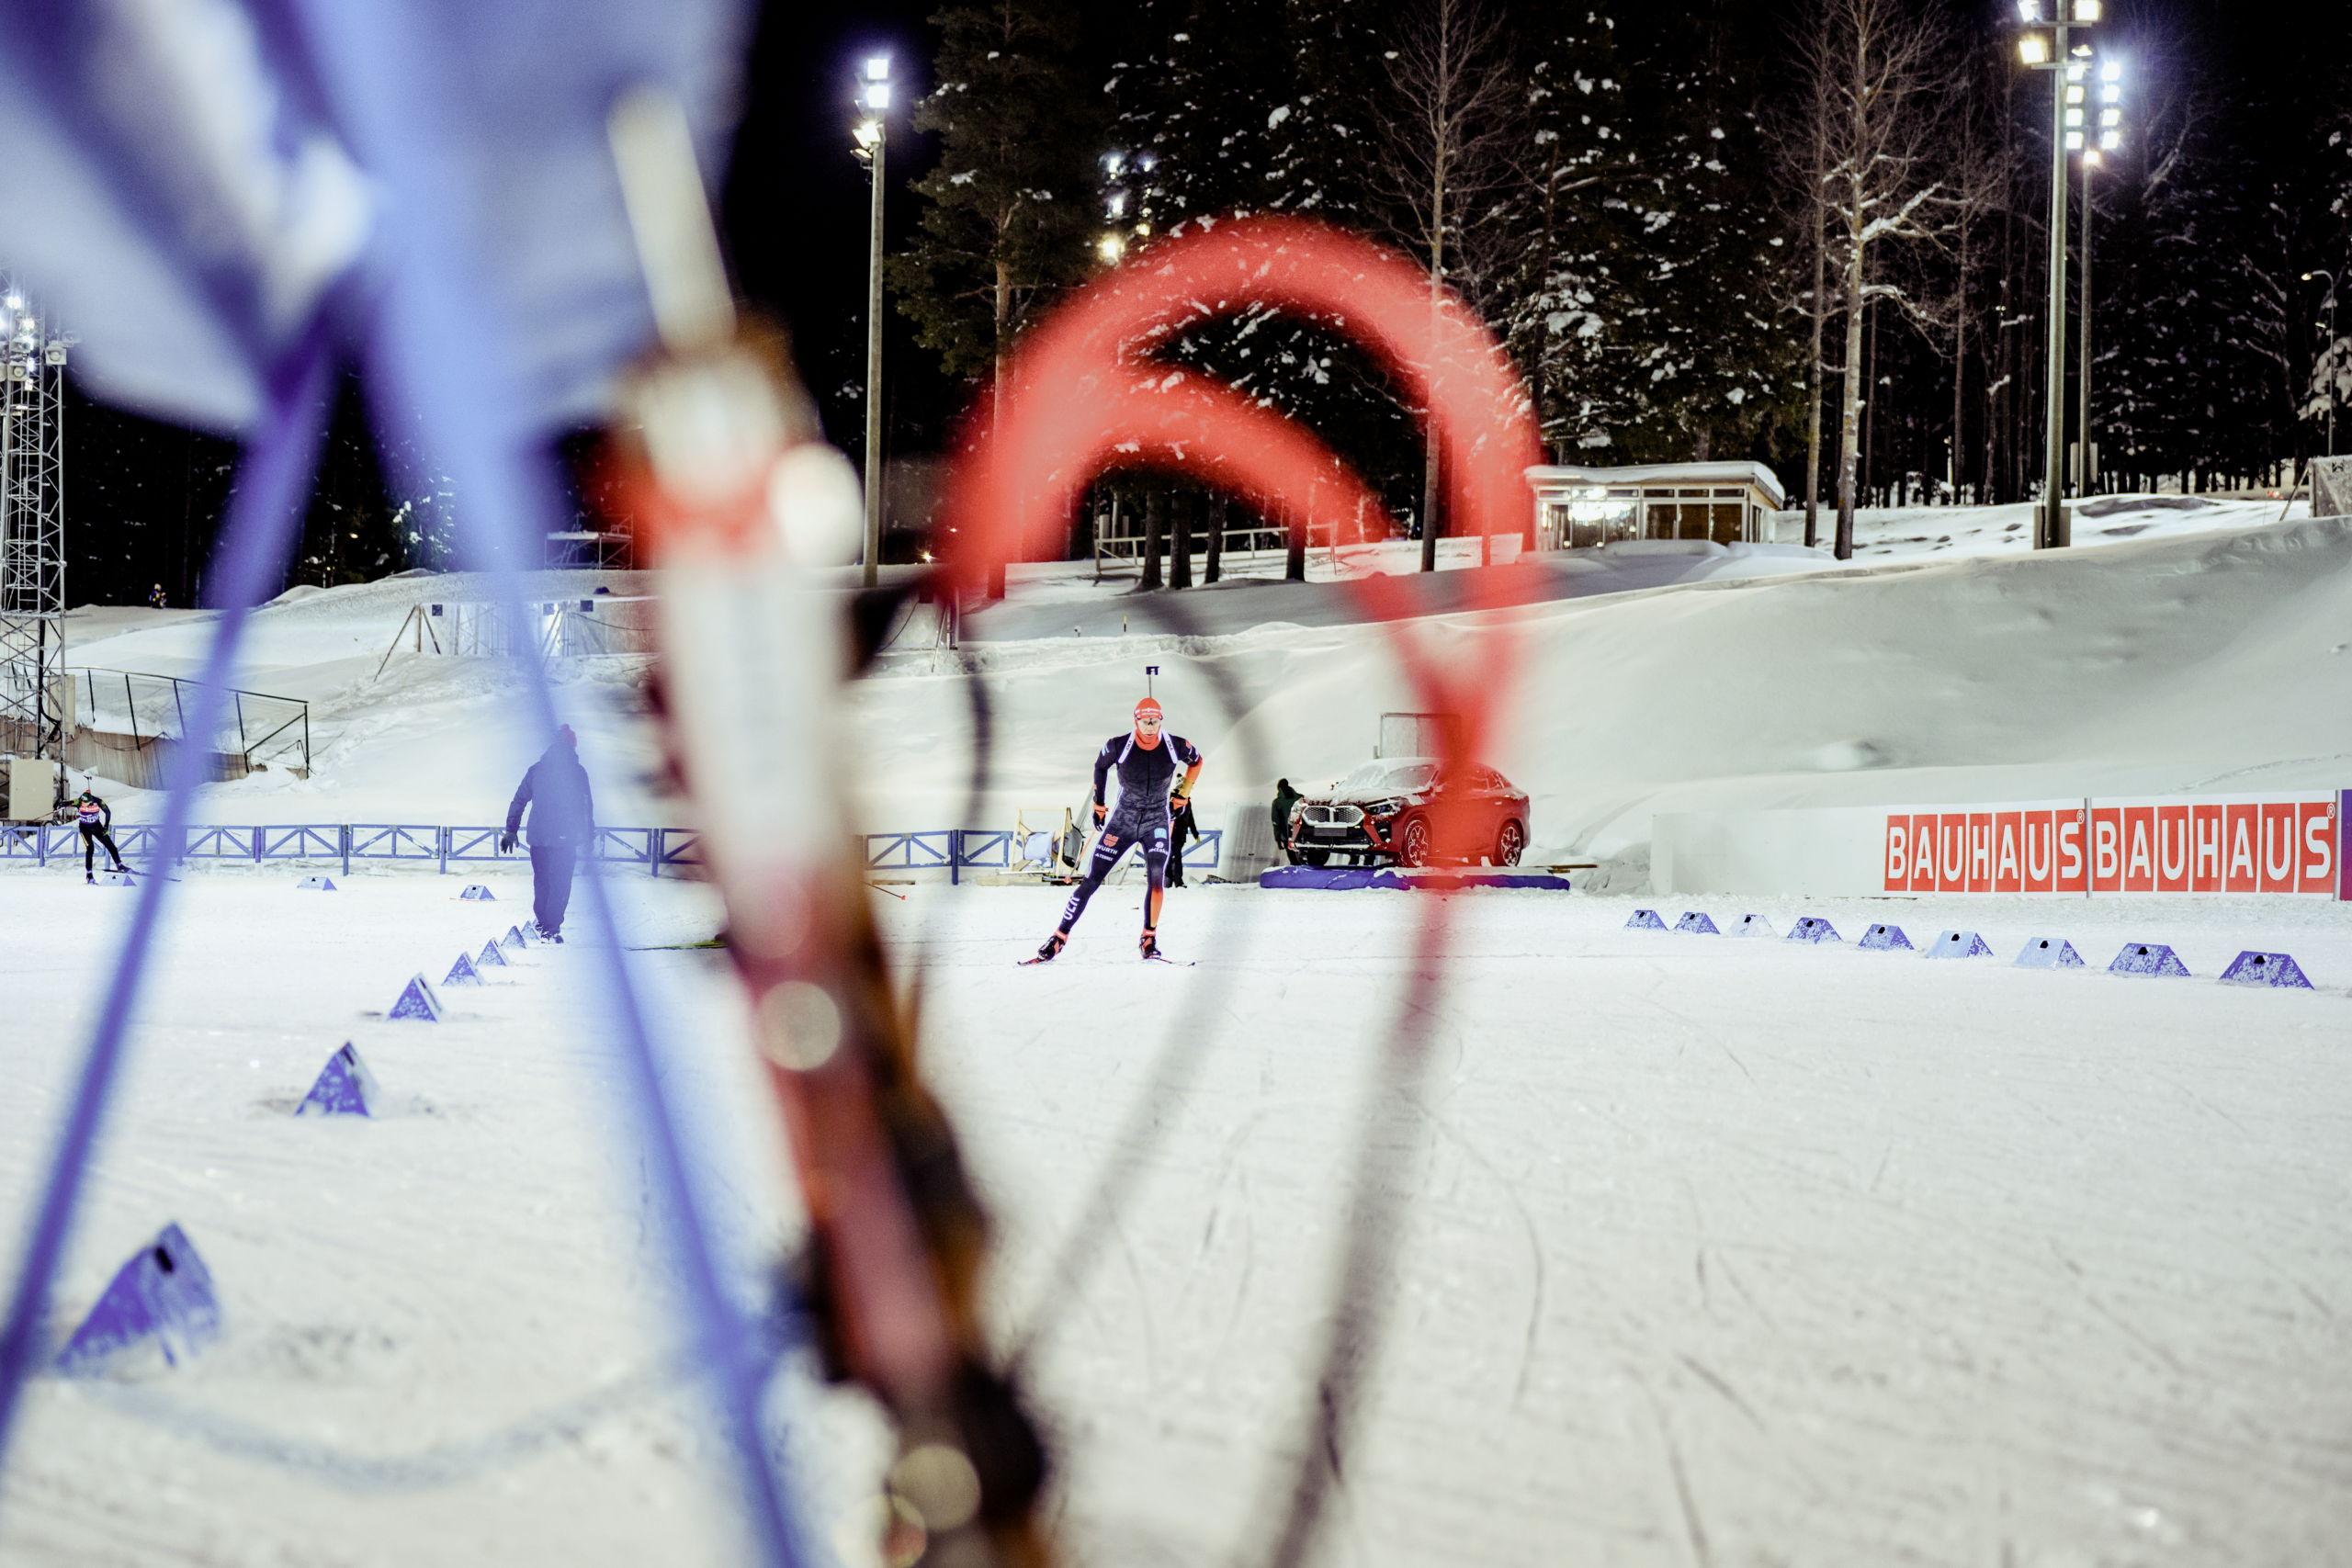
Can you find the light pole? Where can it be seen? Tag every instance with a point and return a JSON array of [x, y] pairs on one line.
[[2070, 118], [873, 139], [2327, 359], [2110, 137]]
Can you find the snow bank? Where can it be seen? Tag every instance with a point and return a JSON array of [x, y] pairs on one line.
[[2153, 665], [2200, 653]]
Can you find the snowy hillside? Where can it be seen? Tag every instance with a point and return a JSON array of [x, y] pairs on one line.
[[2181, 647], [2187, 659]]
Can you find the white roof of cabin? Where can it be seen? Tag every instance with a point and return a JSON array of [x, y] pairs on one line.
[[1546, 476]]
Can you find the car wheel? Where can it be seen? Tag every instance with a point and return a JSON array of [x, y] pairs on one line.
[[1509, 844], [1315, 857], [1414, 841]]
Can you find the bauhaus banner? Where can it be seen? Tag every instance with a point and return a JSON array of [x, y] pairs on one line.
[[2269, 843]]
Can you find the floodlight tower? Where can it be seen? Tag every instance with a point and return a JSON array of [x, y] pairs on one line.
[[32, 527], [873, 135], [2070, 122], [2110, 137]]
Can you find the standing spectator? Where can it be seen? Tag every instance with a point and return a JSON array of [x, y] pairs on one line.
[[1181, 828], [1285, 798], [563, 818], [96, 820], [155, 600]]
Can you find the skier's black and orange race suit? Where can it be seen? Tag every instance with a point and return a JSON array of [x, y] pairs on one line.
[[1147, 772]]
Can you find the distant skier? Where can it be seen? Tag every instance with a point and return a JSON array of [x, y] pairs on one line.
[[563, 818], [96, 820], [1146, 763], [155, 600]]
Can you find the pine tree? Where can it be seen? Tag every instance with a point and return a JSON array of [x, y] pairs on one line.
[[1566, 300], [1009, 217]]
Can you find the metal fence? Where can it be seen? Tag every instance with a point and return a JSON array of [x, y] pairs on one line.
[[954, 850], [599, 627], [961, 849], [150, 708], [653, 848]]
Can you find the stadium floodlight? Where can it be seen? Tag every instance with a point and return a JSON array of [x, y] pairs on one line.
[[2045, 45], [873, 135]]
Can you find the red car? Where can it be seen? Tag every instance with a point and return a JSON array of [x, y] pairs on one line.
[[1400, 809]]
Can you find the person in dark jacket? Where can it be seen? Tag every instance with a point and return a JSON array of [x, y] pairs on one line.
[[1286, 798], [96, 818], [1183, 827], [563, 818]]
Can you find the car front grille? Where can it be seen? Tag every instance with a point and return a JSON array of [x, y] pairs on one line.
[[1334, 816]]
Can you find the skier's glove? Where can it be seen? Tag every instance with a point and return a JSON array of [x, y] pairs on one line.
[[1101, 811], [506, 844]]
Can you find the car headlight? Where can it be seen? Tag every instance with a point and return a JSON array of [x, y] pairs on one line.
[[1384, 808]]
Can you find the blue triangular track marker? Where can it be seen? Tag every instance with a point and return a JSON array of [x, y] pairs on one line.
[[162, 1296], [345, 1088], [418, 1001]]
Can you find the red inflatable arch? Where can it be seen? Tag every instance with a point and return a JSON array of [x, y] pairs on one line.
[[1083, 395]]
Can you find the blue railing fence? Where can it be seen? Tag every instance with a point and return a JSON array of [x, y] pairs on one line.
[[962, 849], [953, 850], [653, 848]]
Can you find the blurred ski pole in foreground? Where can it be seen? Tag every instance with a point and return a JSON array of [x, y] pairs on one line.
[[736, 498]]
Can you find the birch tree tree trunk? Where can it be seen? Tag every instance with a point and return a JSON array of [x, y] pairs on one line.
[[1812, 412]]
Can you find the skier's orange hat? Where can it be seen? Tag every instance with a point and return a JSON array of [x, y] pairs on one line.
[[1148, 706]]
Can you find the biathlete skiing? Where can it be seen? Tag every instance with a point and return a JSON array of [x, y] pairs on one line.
[[1146, 762], [96, 820]]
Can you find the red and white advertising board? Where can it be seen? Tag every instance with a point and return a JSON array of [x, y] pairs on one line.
[[2267, 843]]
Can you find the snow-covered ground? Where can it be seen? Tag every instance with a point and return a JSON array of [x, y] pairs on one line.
[[1719, 1251]]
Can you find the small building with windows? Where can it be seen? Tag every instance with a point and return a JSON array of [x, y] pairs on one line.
[[1728, 503]]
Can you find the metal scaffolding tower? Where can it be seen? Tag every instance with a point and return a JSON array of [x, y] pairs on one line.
[[36, 698]]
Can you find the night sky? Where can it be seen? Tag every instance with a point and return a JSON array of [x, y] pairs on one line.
[[143, 498]]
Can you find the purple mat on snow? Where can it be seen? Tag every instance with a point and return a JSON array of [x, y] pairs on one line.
[[1331, 878]]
